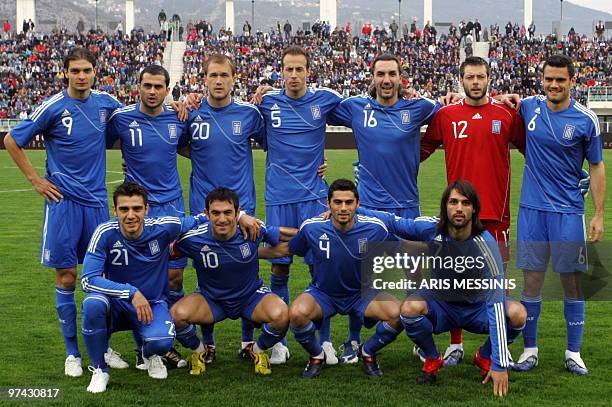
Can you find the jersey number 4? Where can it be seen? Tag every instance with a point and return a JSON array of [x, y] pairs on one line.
[[324, 246]]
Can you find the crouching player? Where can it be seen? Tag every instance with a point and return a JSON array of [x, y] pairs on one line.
[[125, 276], [338, 246], [229, 286], [459, 232]]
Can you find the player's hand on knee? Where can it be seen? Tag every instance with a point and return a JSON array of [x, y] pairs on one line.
[[47, 189], [322, 169], [251, 227], [500, 382], [143, 308]]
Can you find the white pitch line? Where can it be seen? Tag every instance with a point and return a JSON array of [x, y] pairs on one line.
[[31, 190]]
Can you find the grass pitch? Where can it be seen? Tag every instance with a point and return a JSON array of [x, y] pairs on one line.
[[33, 352]]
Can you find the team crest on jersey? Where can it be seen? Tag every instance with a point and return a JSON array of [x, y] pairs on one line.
[[245, 250], [496, 126], [363, 245], [134, 124], [172, 130], [568, 132], [316, 112], [102, 114], [154, 246], [405, 115], [236, 128]]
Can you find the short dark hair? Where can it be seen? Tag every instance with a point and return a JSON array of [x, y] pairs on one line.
[[219, 59], [224, 195], [473, 61], [130, 188], [79, 53], [466, 189], [560, 61], [342, 184], [155, 70], [295, 50], [386, 57]]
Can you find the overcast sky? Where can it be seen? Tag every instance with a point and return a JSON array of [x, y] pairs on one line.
[[604, 5]]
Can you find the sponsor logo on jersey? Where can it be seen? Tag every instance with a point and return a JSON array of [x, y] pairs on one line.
[[118, 244], [154, 246], [537, 110], [324, 237], [476, 116], [66, 113], [316, 112], [245, 250], [368, 106], [134, 124], [405, 115], [363, 245], [568, 132], [172, 130], [496, 126], [197, 119], [102, 114], [275, 107], [237, 128], [205, 248]]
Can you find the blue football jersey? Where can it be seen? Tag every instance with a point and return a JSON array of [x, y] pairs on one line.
[[388, 143], [337, 255], [148, 145], [295, 135], [74, 131], [118, 267], [221, 153], [557, 144], [226, 270]]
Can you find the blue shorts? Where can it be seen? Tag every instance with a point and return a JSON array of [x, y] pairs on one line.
[[123, 317], [293, 215], [406, 213], [560, 236], [66, 231], [354, 305], [240, 308], [445, 316], [172, 208]]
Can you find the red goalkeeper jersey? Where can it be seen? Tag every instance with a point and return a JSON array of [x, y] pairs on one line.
[[477, 146]]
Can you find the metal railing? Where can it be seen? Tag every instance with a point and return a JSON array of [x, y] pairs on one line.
[[600, 94], [8, 124]]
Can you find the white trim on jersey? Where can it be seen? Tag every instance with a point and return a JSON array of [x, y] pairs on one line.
[[502, 343], [313, 220], [99, 92], [110, 225], [194, 232], [272, 92], [162, 220], [372, 219], [327, 90], [87, 287], [588, 112], [40, 109], [428, 219], [483, 245], [128, 108], [44, 234], [365, 97], [500, 106]]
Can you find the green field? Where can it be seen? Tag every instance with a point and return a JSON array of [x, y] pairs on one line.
[[33, 352]]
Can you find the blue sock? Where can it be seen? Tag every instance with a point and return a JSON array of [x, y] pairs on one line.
[[384, 335], [247, 330], [306, 336], [66, 310], [95, 330], [279, 285], [420, 330], [325, 330], [269, 337], [530, 332], [354, 325], [208, 334], [174, 296], [188, 337], [511, 334], [573, 310]]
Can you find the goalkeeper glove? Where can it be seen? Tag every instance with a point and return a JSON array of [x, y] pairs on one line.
[[356, 172], [584, 183]]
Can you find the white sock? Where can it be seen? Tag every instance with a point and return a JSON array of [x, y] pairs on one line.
[[256, 348], [200, 348]]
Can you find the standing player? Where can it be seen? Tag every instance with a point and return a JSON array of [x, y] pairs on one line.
[[220, 134], [338, 245], [295, 122], [561, 134], [476, 133], [387, 132], [229, 286], [149, 132], [125, 276], [73, 123], [459, 232]]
